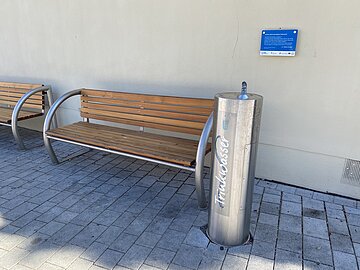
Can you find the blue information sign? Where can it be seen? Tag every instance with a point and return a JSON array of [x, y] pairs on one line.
[[278, 42]]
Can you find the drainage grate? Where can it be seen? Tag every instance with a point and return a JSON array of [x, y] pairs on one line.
[[351, 173]]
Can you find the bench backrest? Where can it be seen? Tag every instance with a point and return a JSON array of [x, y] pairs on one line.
[[178, 114], [10, 93]]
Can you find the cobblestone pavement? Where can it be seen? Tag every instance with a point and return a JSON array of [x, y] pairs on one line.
[[102, 211]]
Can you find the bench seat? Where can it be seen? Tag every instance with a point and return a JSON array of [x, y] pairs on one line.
[[6, 113], [176, 150]]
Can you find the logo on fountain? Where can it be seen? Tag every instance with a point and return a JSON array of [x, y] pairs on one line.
[[222, 151]]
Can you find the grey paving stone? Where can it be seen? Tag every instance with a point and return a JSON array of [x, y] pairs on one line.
[[135, 257], [49, 266], [65, 256], [313, 204], [353, 219], [215, 251], [109, 259], [30, 228], [66, 216], [317, 250], [263, 249], [234, 262], [344, 201], [159, 225], [291, 197], [171, 240], [291, 208], [290, 241], [271, 198], [196, 238], [189, 256], [335, 213], [315, 227], [210, 264], [138, 226], [66, 233], [256, 262], [80, 264], [286, 188], [355, 233], [267, 184], [123, 242], [304, 192], [93, 252], [344, 261], [323, 197], [160, 258], [173, 266], [88, 235], [333, 206], [357, 249], [125, 219], [341, 243], [338, 226], [266, 233], [309, 265], [183, 222], [269, 208], [11, 241], [26, 219], [287, 260], [268, 219], [110, 234], [12, 257], [313, 213], [352, 210], [241, 251], [148, 239]]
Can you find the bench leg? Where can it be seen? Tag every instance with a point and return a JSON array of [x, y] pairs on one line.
[[199, 182], [17, 137], [50, 150]]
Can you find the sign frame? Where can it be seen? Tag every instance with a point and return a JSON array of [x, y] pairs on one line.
[[278, 42]]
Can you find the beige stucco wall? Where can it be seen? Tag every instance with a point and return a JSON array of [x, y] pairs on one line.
[[198, 48]]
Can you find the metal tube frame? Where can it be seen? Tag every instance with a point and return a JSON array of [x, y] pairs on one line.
[[48, 120], [200, 159], [200, 156], [18, 107]]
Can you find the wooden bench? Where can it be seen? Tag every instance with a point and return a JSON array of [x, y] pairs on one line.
[[177, 115], [21, 101]]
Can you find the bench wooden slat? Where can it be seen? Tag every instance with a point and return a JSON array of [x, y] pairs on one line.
[[175, 150], [37, 96], [146, 112], [145, 124], [150, 106], [144, 118], [26, 105], [199, 102], [16, 99], [6, 113], [20, 85]]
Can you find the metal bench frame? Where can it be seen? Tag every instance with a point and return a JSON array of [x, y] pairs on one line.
[[198, 169], [17, 108]]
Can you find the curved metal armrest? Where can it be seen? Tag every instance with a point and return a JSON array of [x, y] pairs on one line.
[[18, 107], [48, 119], [51, 113], [200, 158]]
